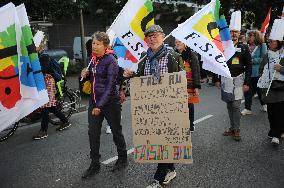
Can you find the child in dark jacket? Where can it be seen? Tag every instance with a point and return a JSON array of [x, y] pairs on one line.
[[51, 105]]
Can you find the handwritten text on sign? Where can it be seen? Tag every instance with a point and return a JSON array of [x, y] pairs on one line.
[[160, 120]]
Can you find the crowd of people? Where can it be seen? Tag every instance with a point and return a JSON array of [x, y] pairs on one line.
[[256, 68], [246, 67]]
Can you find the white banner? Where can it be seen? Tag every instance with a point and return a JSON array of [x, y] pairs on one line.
[[22, 87], [202, 33]]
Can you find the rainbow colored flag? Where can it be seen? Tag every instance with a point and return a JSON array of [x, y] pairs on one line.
[[22, 87], [207, 33], [129, 27]]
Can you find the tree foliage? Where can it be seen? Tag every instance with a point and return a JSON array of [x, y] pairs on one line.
[[49, 9], [108, 9]]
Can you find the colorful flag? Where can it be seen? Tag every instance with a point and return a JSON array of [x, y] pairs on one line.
[[22, 88], [130, 25], [207, 33], [265, 24], [124, 57]]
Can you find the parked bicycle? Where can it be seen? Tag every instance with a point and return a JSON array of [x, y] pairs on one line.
[[67, 101]]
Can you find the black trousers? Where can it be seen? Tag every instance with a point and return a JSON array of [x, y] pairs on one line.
[[191, 114], [275, 117], [45, 116], [112, 113], [162, 170], [253, 89]]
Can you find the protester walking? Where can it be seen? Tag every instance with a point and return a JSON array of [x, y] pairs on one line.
[[159, 60], [258, 49], [272, 79], [191, 66], [51, 105], [104, 103], [240, 68]]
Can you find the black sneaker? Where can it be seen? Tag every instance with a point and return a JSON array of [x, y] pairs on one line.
[[192, 129], [92, 170], [40, 135], [119, 165], [63, 126], [269, 135]]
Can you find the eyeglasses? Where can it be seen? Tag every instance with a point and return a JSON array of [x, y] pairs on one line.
[[154, 35]]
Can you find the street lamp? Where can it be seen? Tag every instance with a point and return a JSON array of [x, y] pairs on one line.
[[82, 33]]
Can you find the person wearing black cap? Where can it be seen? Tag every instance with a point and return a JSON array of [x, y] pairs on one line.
[[159, 60]]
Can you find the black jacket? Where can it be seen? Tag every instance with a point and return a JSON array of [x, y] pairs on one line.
[[241, 62]]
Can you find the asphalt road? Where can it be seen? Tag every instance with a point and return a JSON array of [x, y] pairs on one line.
[[218, 161]]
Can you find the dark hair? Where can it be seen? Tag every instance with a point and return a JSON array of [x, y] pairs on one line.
[[279, 44], [102, 37]]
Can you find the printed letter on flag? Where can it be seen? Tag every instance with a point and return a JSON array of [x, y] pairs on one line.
[[207, 33], [129, 27]]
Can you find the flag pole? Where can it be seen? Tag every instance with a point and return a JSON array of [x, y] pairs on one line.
[[87, 68], [270, 84]]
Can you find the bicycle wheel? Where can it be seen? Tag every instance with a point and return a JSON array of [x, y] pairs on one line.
[[5, 134], [66, 104]]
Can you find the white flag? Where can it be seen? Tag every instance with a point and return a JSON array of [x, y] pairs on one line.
[[22, 88], [207, 33], [131, 23]]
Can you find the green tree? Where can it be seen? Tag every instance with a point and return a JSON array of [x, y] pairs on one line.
[[49, 9]]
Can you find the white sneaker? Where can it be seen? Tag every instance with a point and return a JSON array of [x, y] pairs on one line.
[[170, 176], [255, 95], [275, 141], [246, 112], [155, 184], [108, 129], [264, 108]]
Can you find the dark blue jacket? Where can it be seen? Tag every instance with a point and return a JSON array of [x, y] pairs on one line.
[[106, 72]]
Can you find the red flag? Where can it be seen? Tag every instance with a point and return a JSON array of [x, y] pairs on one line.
[[266, 22]]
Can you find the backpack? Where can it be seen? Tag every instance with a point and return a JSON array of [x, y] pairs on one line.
[[51, 66]]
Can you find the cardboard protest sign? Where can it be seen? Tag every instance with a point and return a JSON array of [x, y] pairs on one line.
[[160, 120]]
